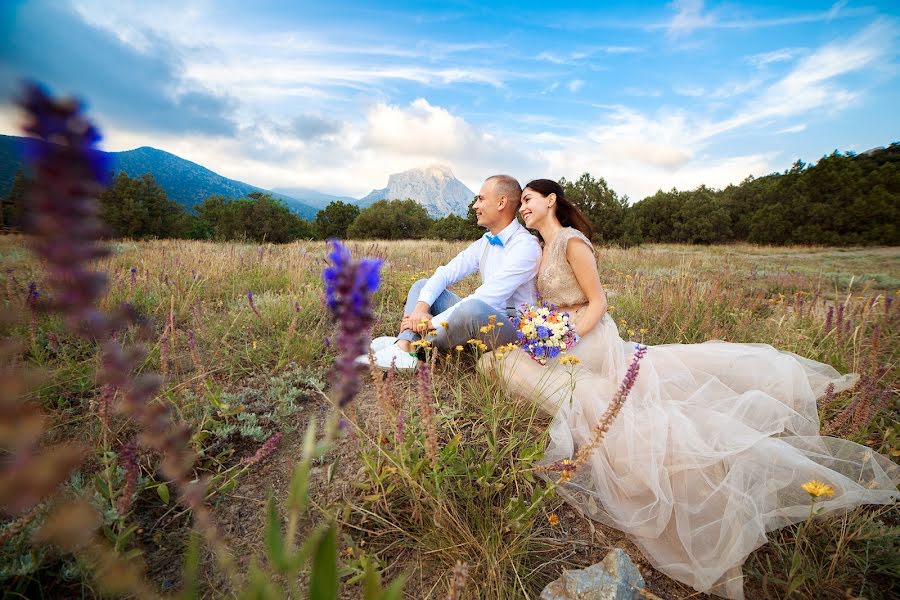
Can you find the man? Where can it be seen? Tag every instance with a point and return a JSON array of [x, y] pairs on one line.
[[507, 257]]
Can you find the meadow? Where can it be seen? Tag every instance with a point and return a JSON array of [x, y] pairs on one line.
[[432, 479]]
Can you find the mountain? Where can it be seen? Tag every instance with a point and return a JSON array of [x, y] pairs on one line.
[[184, 181], [433, 187], [313, 198]]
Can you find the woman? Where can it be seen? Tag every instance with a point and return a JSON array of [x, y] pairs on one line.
[[714, 441]]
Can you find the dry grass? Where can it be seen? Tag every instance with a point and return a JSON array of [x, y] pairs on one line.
[[239, 375]]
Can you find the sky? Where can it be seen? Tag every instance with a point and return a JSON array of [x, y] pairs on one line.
[[335, 96]]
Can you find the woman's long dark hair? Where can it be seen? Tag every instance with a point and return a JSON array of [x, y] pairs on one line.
[[568, 214]]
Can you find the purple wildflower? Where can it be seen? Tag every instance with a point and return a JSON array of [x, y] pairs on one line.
[[252, 303], [133, 276], [265, 450], [128, 460], [887, 304], [829, 319], [33, 294], [68, 172], [349, 285]]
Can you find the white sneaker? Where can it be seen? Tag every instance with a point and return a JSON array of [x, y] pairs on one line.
[[382, 342], [393, 355], [385, 350]]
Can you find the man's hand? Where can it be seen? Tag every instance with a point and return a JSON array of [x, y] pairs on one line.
[[414, 320]]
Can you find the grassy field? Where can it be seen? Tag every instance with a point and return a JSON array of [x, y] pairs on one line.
[[429, 473]]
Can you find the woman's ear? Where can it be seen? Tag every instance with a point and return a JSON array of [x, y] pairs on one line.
[[551, 200]]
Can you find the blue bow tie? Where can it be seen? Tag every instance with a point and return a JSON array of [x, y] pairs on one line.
[[494, 240]]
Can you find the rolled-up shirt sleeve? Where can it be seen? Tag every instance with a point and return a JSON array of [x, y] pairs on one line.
[[463, 264], [519, 267]]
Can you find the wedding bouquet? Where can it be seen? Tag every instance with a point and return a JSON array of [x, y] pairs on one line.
[[544, 332]]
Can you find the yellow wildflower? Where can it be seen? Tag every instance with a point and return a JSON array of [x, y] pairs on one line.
[[631, 333], [348, 551], [817, 488], [445, 324], [492, 319], [610, 308], [487, 328], [623, 322], [569, 359], [644, 330], [254, 344], [459, 348], [553, 519]]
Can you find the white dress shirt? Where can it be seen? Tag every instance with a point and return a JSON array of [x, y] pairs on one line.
[[508, 272]]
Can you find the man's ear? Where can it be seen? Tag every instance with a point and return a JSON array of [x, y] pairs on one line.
[[501, 204]]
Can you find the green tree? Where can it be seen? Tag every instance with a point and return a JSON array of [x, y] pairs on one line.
[[702, 218], [600, 204], [259, 217], [334, 220], [454, 227], [391, 220], [12, 211], [139, 208]]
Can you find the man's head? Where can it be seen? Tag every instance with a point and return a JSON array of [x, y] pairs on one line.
[[497, 202]]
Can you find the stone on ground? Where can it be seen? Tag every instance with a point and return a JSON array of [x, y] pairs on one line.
[[614, 578]]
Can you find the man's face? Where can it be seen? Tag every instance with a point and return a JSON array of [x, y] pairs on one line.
[[486, 205]]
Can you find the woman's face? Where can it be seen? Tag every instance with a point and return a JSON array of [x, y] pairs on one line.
[[535, 207]]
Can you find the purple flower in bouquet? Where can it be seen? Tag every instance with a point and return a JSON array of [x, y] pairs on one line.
[[544, 332]]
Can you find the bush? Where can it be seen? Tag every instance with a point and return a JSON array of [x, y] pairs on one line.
[[391, 220]]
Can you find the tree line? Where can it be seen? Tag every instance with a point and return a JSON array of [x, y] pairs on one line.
[[844, 199]]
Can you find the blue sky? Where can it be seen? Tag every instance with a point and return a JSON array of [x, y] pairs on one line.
[[337, 95]]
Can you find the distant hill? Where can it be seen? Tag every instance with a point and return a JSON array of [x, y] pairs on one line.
[[433, 187], [184, 181], [312, 197]]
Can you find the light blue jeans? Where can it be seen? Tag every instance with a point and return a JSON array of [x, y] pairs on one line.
[[465, 323]]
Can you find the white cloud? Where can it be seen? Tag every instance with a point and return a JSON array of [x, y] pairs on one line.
[[578, 56], [766, 58], [575, 85], [689, 16], [793, 129]]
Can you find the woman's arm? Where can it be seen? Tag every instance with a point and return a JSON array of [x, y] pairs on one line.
[[583, 263]]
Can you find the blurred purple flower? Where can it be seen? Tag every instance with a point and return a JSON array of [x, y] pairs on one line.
[[60, 130], [68, 171], [133, 276], [349, 285], [252, 303]]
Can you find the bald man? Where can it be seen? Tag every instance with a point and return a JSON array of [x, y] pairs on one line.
[[507, 257]]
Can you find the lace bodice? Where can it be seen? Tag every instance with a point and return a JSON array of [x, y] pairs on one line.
[[556, 282]]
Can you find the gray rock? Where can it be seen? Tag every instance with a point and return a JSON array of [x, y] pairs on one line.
[[433, 187], [614, 578]]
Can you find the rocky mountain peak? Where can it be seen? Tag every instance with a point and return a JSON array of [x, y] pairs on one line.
[[434, 187]]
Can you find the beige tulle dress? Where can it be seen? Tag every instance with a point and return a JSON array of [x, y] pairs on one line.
[[710, 449]]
